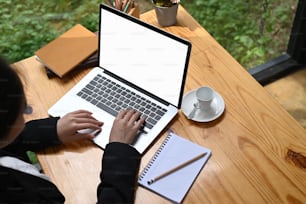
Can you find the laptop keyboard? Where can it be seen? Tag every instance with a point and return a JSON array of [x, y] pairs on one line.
[[112, 97]]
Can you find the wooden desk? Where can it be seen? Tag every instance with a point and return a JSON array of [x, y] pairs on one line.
[[255, 144]]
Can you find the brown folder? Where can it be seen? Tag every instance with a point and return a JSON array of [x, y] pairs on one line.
[[68, 50]]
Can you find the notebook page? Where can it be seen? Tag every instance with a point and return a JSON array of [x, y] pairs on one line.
[[174, 151]]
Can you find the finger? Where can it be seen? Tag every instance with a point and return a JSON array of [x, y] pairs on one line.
[[135, 116], [121, 114], [81, 112], [140, 122], [83, 126], [129, 115], [88, 120], [82, 115]]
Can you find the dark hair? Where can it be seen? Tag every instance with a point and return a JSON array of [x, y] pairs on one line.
[[12, 97]]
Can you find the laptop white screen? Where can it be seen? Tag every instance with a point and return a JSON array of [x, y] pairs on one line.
[[142, 56]]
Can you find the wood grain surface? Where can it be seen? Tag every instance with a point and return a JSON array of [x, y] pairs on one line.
[[258, 149]]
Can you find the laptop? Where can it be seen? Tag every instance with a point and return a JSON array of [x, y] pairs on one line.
[[140, 67]]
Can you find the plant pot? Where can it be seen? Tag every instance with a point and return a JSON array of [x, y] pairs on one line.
[[166, 16]]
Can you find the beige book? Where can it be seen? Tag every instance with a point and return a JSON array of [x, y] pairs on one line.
[[68, 50]]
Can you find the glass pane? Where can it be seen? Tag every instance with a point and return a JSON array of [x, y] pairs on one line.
[[253, 31], [25, 27]]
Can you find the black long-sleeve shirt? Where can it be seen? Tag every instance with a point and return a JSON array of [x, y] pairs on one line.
[[120, 165]]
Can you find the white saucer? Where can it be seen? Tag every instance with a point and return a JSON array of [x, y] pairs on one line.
[[217, 107]]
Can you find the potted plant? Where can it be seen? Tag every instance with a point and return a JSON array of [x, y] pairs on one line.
[[166, 11]]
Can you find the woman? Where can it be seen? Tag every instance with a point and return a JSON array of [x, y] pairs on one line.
[[21, 182]]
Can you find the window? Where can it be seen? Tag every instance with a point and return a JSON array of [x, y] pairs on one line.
[[295, 55]]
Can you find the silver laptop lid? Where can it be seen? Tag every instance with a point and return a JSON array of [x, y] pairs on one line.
[[145, 56]]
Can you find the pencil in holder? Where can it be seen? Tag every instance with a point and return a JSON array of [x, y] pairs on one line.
[[126, 6]]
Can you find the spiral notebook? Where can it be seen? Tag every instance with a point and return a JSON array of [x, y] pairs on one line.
[[173, 152]]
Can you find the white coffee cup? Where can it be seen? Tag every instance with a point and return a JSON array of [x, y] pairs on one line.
[[205, 96]]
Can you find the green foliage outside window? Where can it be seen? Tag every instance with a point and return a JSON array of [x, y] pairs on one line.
[[253, 31], [27, 25]]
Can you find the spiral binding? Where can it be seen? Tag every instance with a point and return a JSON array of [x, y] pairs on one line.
[[152, 160]]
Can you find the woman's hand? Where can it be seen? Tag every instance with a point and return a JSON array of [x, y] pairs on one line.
[[69, 125], [125, 126]]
